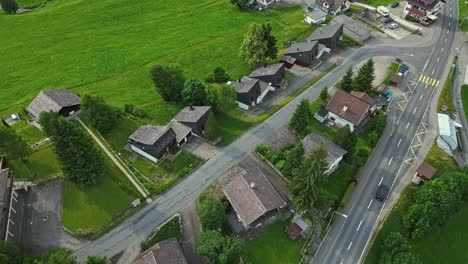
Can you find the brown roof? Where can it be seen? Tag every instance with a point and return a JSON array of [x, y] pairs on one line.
[[363, 96], [52, 100], [396, 78], [426, 170], [348, 107], [164, 252], [251, 194], [294, 231]]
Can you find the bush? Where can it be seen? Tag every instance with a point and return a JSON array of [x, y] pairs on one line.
[[280, 164], [264, 150], [411, 19], [212, 213], [168, 230], [345, 197], [277, 156], [132, 110]]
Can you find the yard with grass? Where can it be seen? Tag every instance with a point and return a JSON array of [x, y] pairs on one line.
[[30, 133], [40, 166], [274, 246], [464, 96], [446, 96], [170, 229], [376, 3], [337, 183], [451, 239], [463, 12]]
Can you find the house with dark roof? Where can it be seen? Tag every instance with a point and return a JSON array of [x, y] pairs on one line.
[[329, 35], [164, 252], [334, 152], [152, 142], [251, 91], [331, 7], [347, 109], [58, 100], [272, 74], [194, 117], [252, 196], [305, 53], [423, 173], [8, 200]]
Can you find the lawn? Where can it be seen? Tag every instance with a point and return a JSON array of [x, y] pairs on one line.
[[274, 246], [338, 181], [392, 69], [30, 3], [30, 133], [376, 3], [464, 96], [451, 238], [446, 96], [107, 47], [171, 229], [463, 12]]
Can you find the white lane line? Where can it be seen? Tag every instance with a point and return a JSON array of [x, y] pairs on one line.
[[433, 71], [391, 159], [369, 204], [407, 126], [420, 98], [442, 50], [359, 226], [399, 142], [438, 59], [448, 31], [449, 24], [350, 245], [416, 108], [445, 39], [381, 179]]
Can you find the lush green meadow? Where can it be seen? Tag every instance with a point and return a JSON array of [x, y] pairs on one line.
[[463, 12]]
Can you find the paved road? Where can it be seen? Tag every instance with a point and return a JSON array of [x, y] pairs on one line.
[[140, 225], [349, 237]]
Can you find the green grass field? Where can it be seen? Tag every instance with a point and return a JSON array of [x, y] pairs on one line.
[[274, 246], [464, 95], [338, 181], [29, 133], [463, 12], [446, 96], [41, 165]]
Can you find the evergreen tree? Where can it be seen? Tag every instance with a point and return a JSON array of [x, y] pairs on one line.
[[347, 84], [14, 146], [254, 47], [293, 160], [365, 77], [211, 128], [9, 6], [218, 248], [324, 95], [308, 178], [347, 140], [96, 113], [300, 118], [241, 4], [194, 93], [272, 51], [169, 81]]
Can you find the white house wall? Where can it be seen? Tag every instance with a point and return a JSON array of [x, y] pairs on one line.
[[144, 154], [242, 105], [340, 121]]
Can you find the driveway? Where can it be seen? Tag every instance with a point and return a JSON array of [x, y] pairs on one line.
[[39, 224], [191, 232], [200, 148]]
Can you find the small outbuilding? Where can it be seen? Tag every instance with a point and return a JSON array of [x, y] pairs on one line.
[[164, 252], [297, 228], [423, 173], [288, 61], [395, 80], [58, 100], [315, 17], [447, 139]]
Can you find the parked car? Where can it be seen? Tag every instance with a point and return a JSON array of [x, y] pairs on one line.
[[382, 193], [387, 20], [394, 5], [383, 11], [393, 26]]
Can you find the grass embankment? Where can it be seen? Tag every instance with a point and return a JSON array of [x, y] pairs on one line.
[[171, 229], [464, 96], [444, 245], [376, 3], [463, 12], [274, 246], [392, 69], [446, 95]]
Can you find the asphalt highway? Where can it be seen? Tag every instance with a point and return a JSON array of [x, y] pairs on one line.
[[140, 225], [350, 236]]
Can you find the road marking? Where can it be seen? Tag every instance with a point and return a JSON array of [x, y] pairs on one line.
[[434, 82], [399, 143], [429, 80], [359, 226], [381, 179], [350, 245], [437, 84], [420, 78], [442, 50], [369, 204], [416, 108], [448, 31], [433, 71], [390, 160], [420, 98], [445, 39], [438, 59], [424, 78], [407, 126], [449, 24]]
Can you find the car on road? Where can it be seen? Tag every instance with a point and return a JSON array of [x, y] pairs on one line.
[[387, 20], [393, 26], [394, 5], [382, 193]]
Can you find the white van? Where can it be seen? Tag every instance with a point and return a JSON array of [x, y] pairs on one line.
[[382, 10]]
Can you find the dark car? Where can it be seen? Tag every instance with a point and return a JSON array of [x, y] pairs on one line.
[[387, 20], [382, 193], [395, 5]]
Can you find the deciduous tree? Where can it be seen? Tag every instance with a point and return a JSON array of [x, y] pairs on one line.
[[169, 81], [9, 6], [211, 128], [212, 213], [218, 248], [96, 113], [241, 4], [56, 256], [254, 47], [396, 250], [14, 146], [194, 93], [347, 140], [96, 260], [222, 99]]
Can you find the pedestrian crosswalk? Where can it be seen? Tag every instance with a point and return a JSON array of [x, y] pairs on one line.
[[429, 80]]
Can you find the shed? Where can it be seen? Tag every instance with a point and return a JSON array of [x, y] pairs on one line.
[[425, 171], [395, 80], [58, 100], [315, 17]]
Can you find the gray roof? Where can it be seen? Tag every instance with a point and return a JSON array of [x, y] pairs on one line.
[[288, 59], [192, 113], [52, 100], [301, 47], [313, 140], [165, 252], [180, 129], [325, 32], [244, 85], [149, 134], [334, 4], [268, 70], [6, 182], [251, 194], [316, 14]]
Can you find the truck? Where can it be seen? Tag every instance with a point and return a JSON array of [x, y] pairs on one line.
[[383, 11]]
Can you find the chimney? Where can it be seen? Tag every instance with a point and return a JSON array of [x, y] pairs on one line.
[[240, 80], [252, 185], [297, 49], [345, 108], [264, 65], [191, 107]]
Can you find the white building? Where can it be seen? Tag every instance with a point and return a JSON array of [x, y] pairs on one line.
[[447, 139], [315, 17]]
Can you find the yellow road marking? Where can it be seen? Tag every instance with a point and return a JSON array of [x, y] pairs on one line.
[[424, 79], [420, 78], [434, 82], [437, 84], [428, 80]]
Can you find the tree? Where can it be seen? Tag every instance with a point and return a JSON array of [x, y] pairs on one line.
[[300, 118], [222, 99], [212, 213], [14, 146], [96, 113], [96, 260], [347, 140], [324, 95], [396, 250], [220, 75], [347, 82], [194, 93], [241, 4], [10, 253], [272, 51], [169, 81], [218, 248], [9, 6], [362, 156], [254, 47], [56, 256], [80, 160], [211, 128], [293, 159], [365, 77], [307, 179]]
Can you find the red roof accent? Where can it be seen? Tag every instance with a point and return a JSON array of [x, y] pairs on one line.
[[294, 231], [417, 13]]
